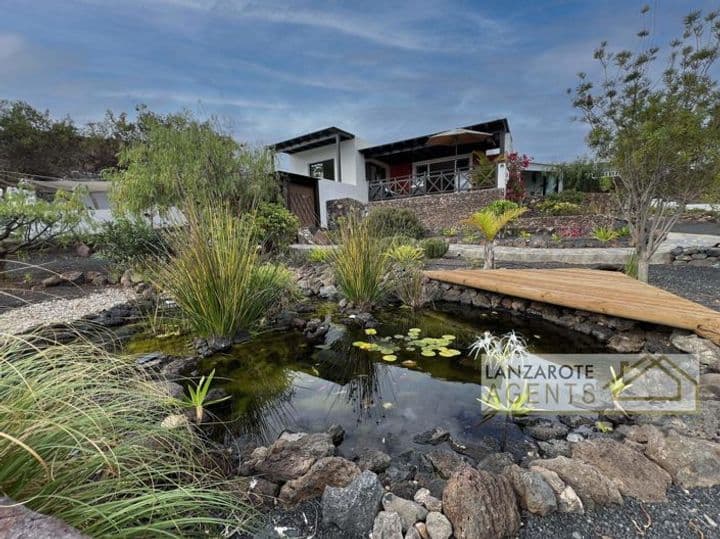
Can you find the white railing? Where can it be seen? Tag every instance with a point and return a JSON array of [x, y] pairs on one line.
[[413, 185]]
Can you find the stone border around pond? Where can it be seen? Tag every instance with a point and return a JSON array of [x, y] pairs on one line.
[[696, 256]]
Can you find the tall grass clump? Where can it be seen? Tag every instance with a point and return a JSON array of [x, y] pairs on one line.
[[360, 263], [82, 439], [217, 276]]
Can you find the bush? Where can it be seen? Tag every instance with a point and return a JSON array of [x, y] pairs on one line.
[[27, 221], [553, 207], [360, 263], [82, 439], [498, 207], [435, 247], [276, 225], [128, 241], [216, 275], [406, 254], [317, 255], [574, 197], [385, 222]]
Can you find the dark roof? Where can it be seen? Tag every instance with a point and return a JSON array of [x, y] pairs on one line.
[[496, 127], [323, 137]]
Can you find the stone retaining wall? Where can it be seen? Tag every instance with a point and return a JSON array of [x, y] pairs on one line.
[[619, 334], [696, 256], [444, 210], [565, 225]]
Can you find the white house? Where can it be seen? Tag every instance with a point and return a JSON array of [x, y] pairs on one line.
[[332, 163]]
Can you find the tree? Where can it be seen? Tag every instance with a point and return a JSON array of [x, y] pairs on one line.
[[659, 134], [515, 188], [582, 175], [27, 221], [177, 159], [489, 223]]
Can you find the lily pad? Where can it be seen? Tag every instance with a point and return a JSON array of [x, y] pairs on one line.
[[371, 331], [390, 357], [427, 352]]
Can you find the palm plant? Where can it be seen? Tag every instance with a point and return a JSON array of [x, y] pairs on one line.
[[198, 396], [82, 439], [489, 224]]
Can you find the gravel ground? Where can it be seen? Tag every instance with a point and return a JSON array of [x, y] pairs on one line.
[[61, 310], [697, 283], [685, 514]]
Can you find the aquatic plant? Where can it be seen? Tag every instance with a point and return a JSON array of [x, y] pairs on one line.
[[489, 224], [499, 351], [411, 342], [360, 264], [198, 396], [516, 407], [216, 274], [82, 439]]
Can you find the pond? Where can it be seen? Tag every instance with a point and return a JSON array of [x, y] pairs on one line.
[[279, 380]]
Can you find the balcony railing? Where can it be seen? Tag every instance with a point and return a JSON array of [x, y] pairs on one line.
[[413, 185]]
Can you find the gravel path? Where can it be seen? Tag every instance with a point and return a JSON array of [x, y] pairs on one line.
[[686, 514], [24, 318]]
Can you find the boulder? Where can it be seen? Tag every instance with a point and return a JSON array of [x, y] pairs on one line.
[[589, 483], [19, 522], [546, 429], [710, 385], [567, 499], [292, 455], [446, 462], [421, 530], [262, 492], [496, 462], [532, 491], [438, 526], [707, 353], [629, 470], [374, 460], [352, 509], [480, 505], [410, 512], [387, 526], [427, 500], [52, 280], [337, 433], [413, 533], [434, 436], [556, 448], [73, 277], [692, 462], [327, 471], [629, 342]]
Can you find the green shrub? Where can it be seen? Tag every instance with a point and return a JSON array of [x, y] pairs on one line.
[[623, 231], [384, 222], [317, 255], [406, 254], [553, 207], [130, 242], [83, 439], [435, 247], [216, 275], [604, 234], [498, 207], [360, 263], [574, 197], [276, 225]]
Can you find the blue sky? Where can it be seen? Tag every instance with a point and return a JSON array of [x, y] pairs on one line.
[[270, 69]]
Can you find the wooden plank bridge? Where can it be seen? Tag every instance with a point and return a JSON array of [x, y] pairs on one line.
[[606, 292]]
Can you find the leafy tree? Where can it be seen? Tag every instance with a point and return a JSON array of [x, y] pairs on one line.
[[28, 221], [583, 175], [515, 188], [659, 134], [177, 159]]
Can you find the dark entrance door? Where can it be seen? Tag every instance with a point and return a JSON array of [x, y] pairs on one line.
[[302, 200]]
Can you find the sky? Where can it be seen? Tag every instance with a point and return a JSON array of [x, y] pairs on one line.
[[270, 69]]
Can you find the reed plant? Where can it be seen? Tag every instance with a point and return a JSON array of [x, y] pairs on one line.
[[217, 276], [360, 263], [82, 439]]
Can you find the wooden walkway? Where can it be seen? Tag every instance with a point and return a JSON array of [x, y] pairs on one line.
[[606, 292]]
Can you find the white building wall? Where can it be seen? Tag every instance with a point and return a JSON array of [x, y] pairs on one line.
[[352, 184]]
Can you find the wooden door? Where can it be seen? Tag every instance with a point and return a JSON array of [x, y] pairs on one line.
[[302, 201]]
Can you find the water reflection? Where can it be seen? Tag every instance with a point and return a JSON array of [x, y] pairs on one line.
[[279, 381]]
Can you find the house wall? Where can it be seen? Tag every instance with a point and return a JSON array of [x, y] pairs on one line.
[[445, 210], [329, 190]]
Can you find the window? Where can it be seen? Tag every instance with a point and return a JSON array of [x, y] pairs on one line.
[[323, 170], [375, 172]]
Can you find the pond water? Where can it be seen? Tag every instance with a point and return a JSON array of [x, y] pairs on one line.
[[280, 381]]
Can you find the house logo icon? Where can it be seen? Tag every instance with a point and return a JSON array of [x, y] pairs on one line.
[[656, 383]]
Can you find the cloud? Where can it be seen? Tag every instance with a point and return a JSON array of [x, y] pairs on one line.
[[185, 98]]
